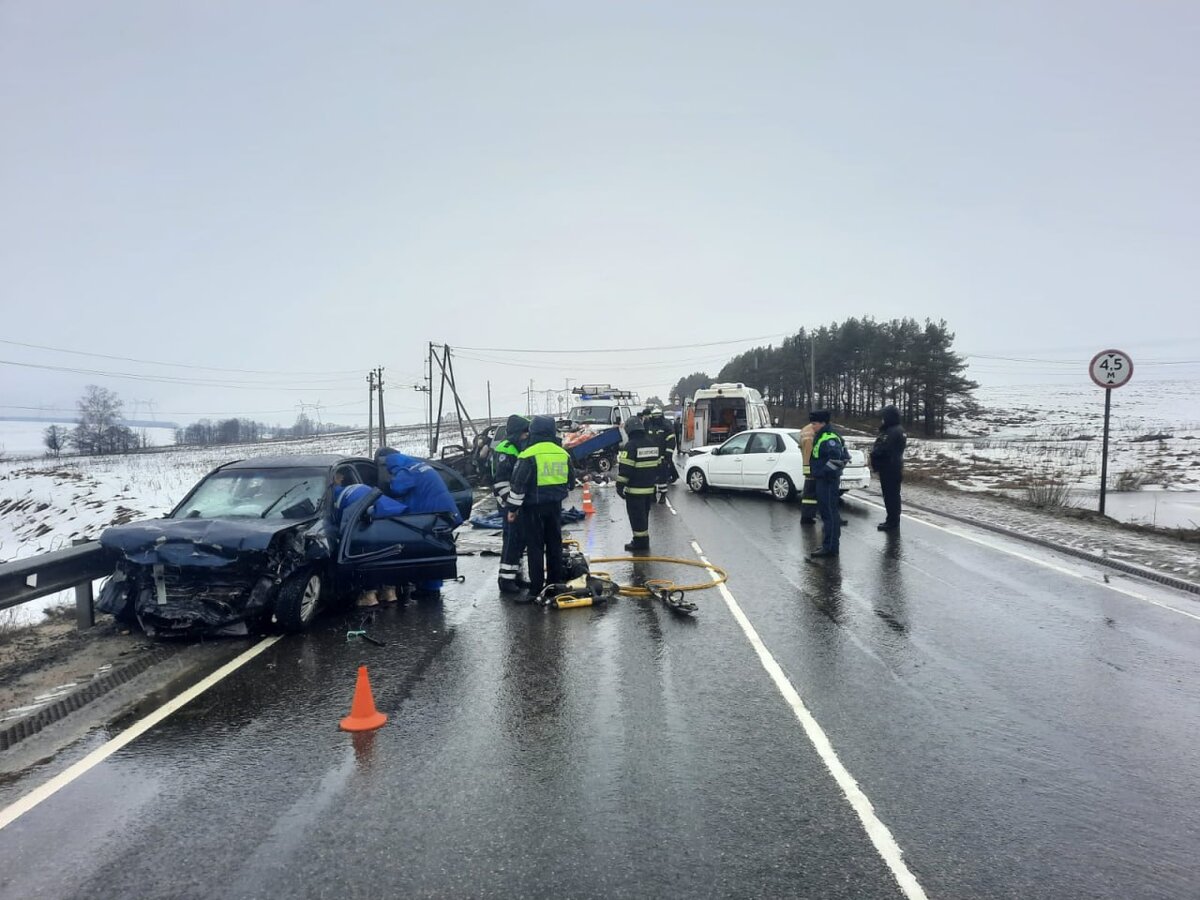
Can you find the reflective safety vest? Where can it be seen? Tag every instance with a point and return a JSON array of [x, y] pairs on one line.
[[819, 468], [504, 457], [551, 463], [504, 448]]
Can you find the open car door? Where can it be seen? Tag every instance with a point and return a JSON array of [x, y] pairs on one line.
[[400, 549]]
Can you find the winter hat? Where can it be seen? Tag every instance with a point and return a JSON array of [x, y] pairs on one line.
[[819, 415]]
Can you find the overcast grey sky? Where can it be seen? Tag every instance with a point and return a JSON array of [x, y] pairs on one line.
[[323, 187]]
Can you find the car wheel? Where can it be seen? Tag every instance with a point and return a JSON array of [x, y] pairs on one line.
[[604, 465], [696, 481], [296, 605], [782, 488]]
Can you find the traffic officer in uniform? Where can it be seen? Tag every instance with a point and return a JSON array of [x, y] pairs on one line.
[[808, 497], [541, 480], [828, 458], [637, 474], [504, 459], [660, 430]]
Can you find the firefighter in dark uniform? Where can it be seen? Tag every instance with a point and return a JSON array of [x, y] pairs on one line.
[[504, 459], [663, 434], [637, 474], [541, 480]]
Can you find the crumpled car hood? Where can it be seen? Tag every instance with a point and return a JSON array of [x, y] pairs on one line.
[[192, 542]]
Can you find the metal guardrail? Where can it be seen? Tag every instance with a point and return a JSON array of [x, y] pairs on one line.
[[76, 567]]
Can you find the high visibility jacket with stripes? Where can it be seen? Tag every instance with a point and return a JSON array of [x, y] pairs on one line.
[[829, 454], [504, 459], [542, 475], [638, 463]]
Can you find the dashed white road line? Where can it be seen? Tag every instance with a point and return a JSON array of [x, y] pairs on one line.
[[18, 808], [992, 545], [879, 834], [670, 507]]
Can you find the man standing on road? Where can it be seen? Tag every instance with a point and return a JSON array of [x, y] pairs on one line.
[[637, 474], [828, 459], [504, 459], [541, 480], [808, 497], [887, 459]]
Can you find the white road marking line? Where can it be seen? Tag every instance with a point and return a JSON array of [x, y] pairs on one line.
[[670, 507], [879, 834], [14, 811], [1041, 562]]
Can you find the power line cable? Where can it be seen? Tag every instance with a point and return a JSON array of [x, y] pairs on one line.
[[170, 379], [175, 365], [618, 349]]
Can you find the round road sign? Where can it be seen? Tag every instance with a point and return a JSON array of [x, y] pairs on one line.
[[1111, 368]]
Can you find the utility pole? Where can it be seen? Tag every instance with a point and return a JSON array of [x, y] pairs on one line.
[[382, 420], [812, 370], [371, 413], [489, 384], [429, 393]]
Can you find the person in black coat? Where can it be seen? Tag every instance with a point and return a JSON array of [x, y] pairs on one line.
[[887, 459]]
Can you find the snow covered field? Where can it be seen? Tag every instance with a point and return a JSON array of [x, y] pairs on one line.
[[1054, 432]]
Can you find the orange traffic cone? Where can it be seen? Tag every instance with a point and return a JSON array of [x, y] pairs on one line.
[[588, 508], [363, 714]]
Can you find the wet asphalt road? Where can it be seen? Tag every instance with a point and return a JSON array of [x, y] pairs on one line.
[[1022, 733]]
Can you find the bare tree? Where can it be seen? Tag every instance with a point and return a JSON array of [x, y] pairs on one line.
[[55, 438], [100, 429]]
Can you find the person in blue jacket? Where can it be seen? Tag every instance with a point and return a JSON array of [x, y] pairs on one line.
[[411, 485], [344, 497]]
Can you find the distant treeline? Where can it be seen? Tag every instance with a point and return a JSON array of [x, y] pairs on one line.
[[861, 365], [209, 432]]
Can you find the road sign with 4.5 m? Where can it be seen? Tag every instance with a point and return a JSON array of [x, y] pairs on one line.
[[1111, 368]]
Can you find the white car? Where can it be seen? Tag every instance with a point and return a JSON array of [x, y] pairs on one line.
[[763, 459]]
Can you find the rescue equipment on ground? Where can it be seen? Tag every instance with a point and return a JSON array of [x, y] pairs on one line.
[[363, 714], [587, 588]]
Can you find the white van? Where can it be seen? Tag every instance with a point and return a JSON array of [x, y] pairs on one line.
[[721, 411]]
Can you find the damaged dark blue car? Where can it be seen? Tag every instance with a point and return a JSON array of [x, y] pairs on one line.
[[257, 545]]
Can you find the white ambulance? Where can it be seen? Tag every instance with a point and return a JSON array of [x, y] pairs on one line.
[[717, 413]]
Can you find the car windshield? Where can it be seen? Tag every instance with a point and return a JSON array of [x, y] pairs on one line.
[[590, 415], [256, 493]]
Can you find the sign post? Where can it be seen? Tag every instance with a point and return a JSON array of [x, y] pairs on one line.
[[1110, 369]]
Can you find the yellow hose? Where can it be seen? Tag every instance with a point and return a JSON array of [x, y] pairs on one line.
[[635, 591]]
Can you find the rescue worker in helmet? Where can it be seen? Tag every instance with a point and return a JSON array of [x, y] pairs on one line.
[[637, 474], [541, 480], [660, 430], [412, 486], [504, 459]]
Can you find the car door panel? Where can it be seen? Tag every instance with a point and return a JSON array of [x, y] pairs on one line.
[[725, 466], [760, 461], [396, 549]]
